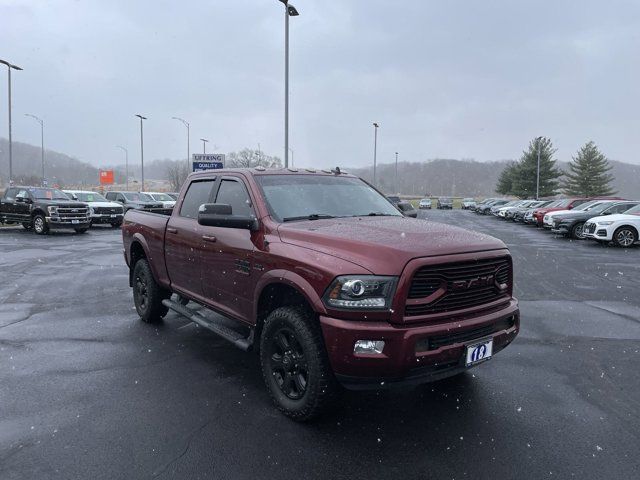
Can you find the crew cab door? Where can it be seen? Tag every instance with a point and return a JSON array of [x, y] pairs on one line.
[[22, 206], [228, 272], [184, 242]]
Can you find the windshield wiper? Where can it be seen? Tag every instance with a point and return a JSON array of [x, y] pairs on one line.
[[313, 216], [380, 214]]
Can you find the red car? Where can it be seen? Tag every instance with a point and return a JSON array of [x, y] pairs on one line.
[[565, 204], [325, 278]]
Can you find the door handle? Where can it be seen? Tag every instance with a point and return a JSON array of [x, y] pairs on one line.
[[209, 238], [172, 230]]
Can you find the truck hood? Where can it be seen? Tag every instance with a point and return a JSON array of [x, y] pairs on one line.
[[61, 203], [104, 204], [384, 245]]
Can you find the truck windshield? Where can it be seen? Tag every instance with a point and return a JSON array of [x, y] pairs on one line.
[[161, 197], [90, 197], [137, 197], [48, 194], [318, 196]]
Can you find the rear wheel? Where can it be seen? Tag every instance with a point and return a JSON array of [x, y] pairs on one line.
[[625, 237], [577, 231], [294, 364], [40, 225], [147, 294]]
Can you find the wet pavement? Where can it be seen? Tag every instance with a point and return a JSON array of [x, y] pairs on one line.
[[89, 391]]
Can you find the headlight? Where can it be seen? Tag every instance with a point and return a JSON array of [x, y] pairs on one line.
[[605, 223], [52, 209], [361, 292]]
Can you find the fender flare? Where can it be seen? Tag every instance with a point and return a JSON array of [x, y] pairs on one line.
[[292, 280]]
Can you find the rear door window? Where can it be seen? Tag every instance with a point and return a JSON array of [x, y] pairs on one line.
[[198, 194]]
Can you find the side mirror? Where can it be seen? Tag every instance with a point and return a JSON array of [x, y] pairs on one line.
[[221, 215], [19, 199], [74, 196]]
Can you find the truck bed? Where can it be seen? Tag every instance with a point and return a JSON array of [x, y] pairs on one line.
[[149, 228]]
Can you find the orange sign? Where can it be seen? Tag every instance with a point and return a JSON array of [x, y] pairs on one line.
[[106, 177]]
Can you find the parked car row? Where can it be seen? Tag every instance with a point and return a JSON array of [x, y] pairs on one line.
[[603, 219], [444, 203], [41, 209]]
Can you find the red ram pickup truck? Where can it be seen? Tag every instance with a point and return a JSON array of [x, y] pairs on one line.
[[320, 274]]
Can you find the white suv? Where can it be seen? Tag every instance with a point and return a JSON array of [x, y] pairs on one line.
[[622, 229]]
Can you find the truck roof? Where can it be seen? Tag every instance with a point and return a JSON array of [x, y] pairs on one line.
[[257, 171]]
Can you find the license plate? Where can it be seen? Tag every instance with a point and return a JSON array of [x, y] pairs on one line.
[[113, 216], [75, 221], [479, 352]]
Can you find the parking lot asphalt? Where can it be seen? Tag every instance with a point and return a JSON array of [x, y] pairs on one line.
[[89, 391]]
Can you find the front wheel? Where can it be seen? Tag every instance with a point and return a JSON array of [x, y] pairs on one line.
[[81, 230], [116, 225], [577, 231], [27, 225], [625, 237], [40, 225], [294, 364], [147, 294]]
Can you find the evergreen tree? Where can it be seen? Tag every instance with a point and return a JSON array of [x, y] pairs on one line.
[[505, 181], [524, 182], [588, 173]]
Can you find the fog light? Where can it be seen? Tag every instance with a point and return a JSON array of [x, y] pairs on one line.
[[368, 346]]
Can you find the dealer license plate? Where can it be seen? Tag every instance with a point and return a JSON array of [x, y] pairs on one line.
[[479, 352]]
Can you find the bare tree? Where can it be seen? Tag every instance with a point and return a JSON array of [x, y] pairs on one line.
[[248, 158], [177, 173]]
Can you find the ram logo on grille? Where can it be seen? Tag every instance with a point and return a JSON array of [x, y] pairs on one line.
[[484, 281]]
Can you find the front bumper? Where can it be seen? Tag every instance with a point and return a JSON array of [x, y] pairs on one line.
[[58, 222], [602, 232], [412, 354], [560, 229], [106, 218]]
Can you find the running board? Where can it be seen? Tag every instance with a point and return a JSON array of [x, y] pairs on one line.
[[229, 334]]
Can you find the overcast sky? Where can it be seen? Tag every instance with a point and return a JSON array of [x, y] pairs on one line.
[[448, 79]]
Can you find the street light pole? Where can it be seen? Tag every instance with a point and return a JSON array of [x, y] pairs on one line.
[[397, 188], [539, 140], [289, 11], [375, 150], [9, 68], [126, 165], [204, 145], [186, 124], [41, 122], [291, 150], [141, 149]]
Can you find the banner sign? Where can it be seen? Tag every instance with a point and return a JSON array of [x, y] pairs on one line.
[[106, 177], [207, 161]]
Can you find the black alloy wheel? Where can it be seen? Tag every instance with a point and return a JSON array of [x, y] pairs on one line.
[[288, 363]]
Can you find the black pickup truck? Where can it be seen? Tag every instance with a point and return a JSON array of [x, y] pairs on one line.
[[41, 209]]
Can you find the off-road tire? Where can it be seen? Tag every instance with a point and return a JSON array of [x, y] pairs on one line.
[[320, 387], [147, 294], [625, 237], [40, 225]]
